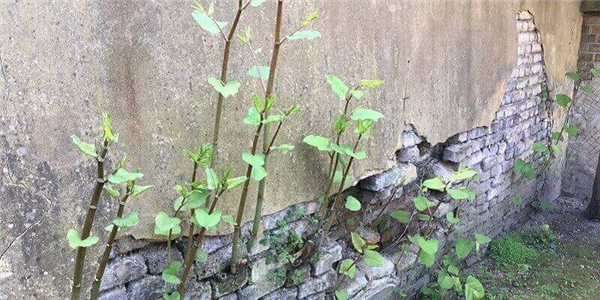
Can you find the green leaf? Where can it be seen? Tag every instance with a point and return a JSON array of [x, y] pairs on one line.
[[207, 23], [129, 220], [516, 200], [169, 274], [304, 35], [401, 216], [434, 184], [450, 217], [588, 90], [283, 147], [373, 83], [460, 193], [463, 247], [427, 259], [264, 72], [256, 160], [229, 89], [341, 294], [75, 241], [557, 136], [233, 182], [201, 256], [462, 174], [85, 148], [366, 114], [421, 203], [540, 147], [573, 76], [196, 198], [525, 169], [318, 142], [373, 259], [205, 155], [173, 296], [337, 178], [358, 242], [163, 224], [107, 128], [430, 246], [453, 269], [229, 220], [258, 173], [212, 179], [563, 100], [123, 175], [473, 289], [348, 268], [572, 130], [444, 281], [273, 119], [256, 3], [338, 86], [357, 94], [206, 220], [340, 124], [352, 204], [252, 117], [138, 189], [481, 239], [112, 192]]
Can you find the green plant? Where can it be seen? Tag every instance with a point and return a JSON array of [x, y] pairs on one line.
[[110, 183], [510, 250]]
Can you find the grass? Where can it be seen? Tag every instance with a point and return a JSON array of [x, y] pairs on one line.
[[558, 270]]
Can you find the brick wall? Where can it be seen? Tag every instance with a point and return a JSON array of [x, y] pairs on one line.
[[582, 151], [134, 271]]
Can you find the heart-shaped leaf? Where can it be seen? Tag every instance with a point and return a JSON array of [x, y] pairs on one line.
[[460, 193], [427, 259], [252, 117], [169, 274], [348, 268], [173, 296], [563, 100], [366, 114], [207, 23], [112, 192], [341, 294], [163, 224], [450, 217], [462, 174], [138, 189], [352, 204], [318, 142], [373, 259], [196, 198], [229, 89], [430, 246], [463, 247], [123, 175], [75, 241], [259, 72], [473, 289], [256, 3], [85, 148], [229, 220], [255, 160], [401, 216], [206, 220], [129, 220], [434, 184], [201, 256], [421, 203], [338, 86], [258, 173]]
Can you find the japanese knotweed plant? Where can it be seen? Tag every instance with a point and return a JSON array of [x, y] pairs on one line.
[[112, 183], [341, 155], [550, 149]]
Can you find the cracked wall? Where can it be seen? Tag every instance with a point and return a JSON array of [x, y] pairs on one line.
[[145, 63], [523, 117]]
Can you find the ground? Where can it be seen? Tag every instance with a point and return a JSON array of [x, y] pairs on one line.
[[566, 268]]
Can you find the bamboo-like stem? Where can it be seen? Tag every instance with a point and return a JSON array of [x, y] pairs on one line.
[[189, 259], [243, 197], [89, 220], [95, 291], [189, 255], [337, 201], [188, 248], [266, 133]]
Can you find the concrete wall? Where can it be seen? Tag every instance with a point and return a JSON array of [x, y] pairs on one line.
[[146, 63]]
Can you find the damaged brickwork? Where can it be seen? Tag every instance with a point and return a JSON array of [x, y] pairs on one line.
[[583, 150], [522, 119]]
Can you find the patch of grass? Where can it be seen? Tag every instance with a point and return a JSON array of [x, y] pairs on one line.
[[511, 251]]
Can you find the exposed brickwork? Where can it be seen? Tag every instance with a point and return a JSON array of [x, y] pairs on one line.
[[520, 121], [582, 152]]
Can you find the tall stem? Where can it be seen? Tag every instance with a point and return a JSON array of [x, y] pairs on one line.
[[89, 220], [266, 133], [188, 260], [337, 201], [242, 205], [95, 291]]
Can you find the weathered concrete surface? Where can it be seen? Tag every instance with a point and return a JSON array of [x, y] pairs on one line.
[[146, 63]]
